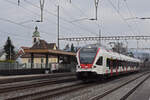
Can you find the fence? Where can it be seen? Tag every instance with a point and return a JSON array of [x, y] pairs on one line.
[[9, 66], [53, 67]]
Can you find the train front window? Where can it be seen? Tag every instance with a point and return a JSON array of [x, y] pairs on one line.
[[87, 55], [100, 61]]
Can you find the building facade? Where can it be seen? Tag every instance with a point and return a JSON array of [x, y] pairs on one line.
[[39, 59]]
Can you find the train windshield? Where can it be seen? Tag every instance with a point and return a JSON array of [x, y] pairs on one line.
[[87, 55]]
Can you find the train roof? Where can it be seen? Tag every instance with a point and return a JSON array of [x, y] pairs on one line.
[[119, 56], [112, 54]]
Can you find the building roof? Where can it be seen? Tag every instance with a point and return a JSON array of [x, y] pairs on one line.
[[42, 44], [50, 52], [41, 48], [25, 47]]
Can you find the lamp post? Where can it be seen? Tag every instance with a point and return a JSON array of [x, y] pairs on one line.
[[96, 8], [10, 53], [91, 19], [42, 8], [58, 26], [100, 36]]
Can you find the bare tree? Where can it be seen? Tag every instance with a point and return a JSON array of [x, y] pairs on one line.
[[120, 48]]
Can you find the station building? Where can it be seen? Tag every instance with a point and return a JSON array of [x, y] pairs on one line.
[[42, 54], [39, 59]]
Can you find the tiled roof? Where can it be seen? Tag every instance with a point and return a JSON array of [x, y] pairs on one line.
[[25, 47], [50, 52], [42, 44]]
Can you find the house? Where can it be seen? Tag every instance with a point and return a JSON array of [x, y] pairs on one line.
[[39, 59]]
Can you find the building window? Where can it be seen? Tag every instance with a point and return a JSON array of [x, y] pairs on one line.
[[42, 60], [29, 60], [34, 40]]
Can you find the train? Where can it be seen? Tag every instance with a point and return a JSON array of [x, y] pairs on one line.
[[95, 61]]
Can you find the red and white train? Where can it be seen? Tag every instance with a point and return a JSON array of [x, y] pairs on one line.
[[96, 61]]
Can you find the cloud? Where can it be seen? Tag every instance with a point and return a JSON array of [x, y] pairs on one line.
[[110, 22]]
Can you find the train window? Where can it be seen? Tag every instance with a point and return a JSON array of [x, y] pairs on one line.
[[114, 63], [111, 63], [137, 64], [108, 62], [88, 50], [87, 55], [120, 63], [100, 61]]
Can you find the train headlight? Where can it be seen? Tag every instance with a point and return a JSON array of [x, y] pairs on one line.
[[94, 66]]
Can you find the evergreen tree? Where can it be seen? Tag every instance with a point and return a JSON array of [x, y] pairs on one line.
[[72, 48], [9, 50], [67, 47]]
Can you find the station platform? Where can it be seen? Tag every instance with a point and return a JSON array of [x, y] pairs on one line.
[[17, 78], [21, 76]]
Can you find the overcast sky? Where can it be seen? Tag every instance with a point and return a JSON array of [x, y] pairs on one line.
[[18, 21]]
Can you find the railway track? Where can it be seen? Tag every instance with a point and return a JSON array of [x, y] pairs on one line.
[[100, 96], [60, 91], [52, 92], [39, 83], [56, 92]]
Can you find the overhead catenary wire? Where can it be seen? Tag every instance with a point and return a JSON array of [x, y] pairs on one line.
[[10, 21], [83, 13], [121, 16], [61, 18], [94, 21], [63, 28], [13, 36], [132, 15], [75, 20], [98, 23]]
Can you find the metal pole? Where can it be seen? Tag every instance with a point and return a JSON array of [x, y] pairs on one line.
[[96, 13], [100, 36], [10, 53], [96, 8], [42, 8], [58, 25], [137, 45], [58, 28]]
